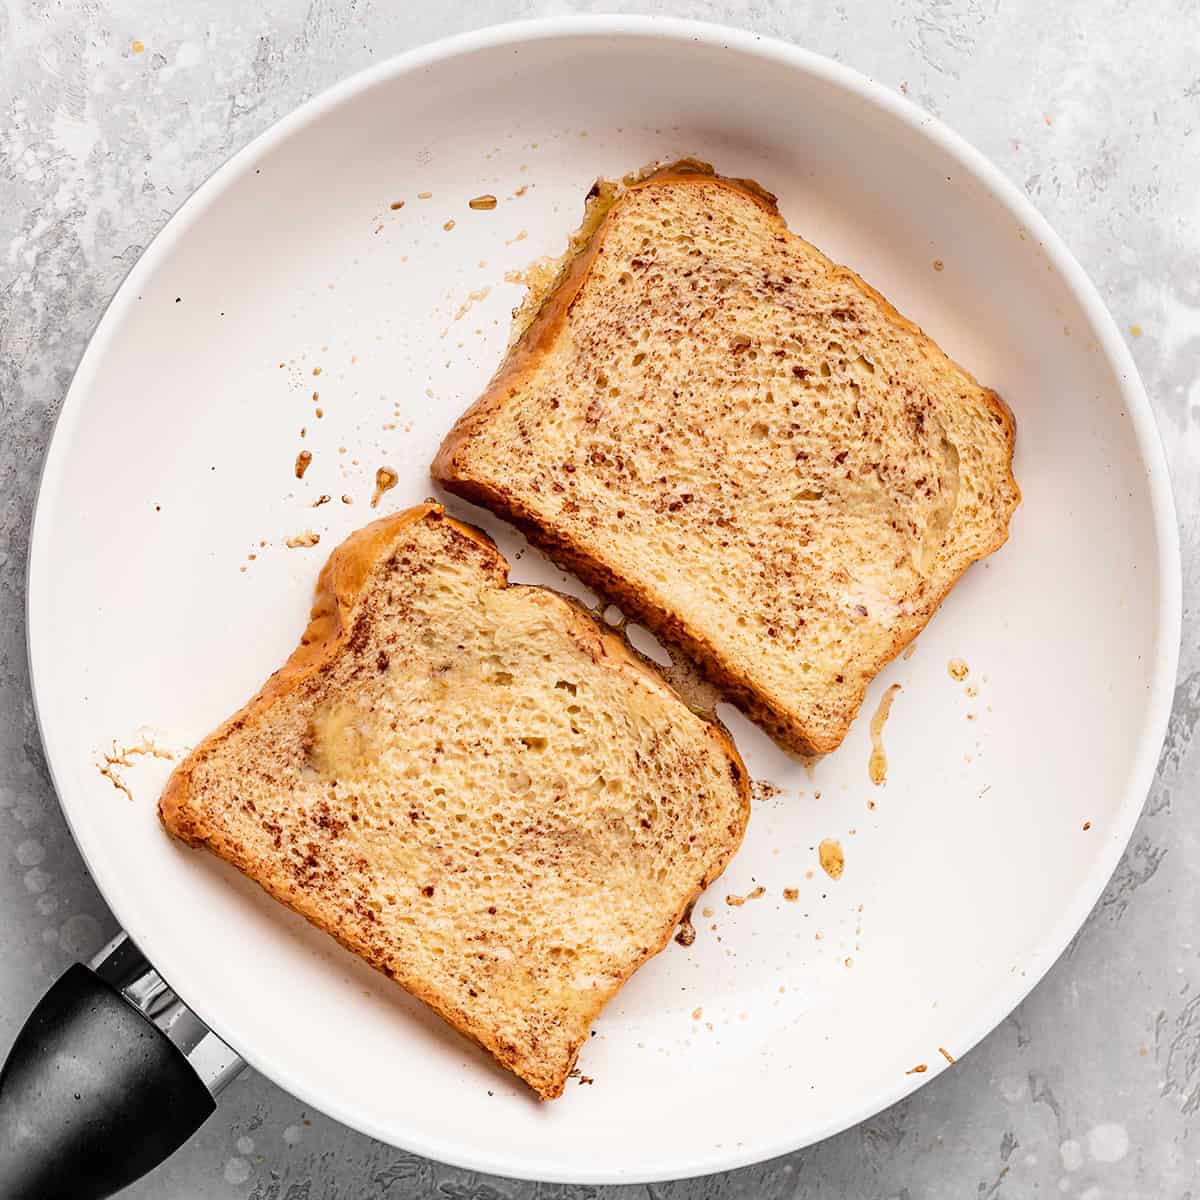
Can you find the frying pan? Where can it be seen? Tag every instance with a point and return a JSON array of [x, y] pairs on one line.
[[336, 264]]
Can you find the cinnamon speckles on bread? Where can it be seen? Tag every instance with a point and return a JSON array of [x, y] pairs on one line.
[[742, 444], [473, 786]]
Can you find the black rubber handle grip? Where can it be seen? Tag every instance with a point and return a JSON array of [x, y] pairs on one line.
[[93, 1096]]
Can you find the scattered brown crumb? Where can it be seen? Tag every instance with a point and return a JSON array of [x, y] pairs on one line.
[[316, 370], [424, 195], [958, 669], [300, 540], [697, 1013], [1136, 330], [849, 962], [791, 893], [385, 480], [521, 190], [833, 862], [321, 499], [938, 265], [586, 1079], [686, 934], [946, 1055], [347, 500], [919, 1069], [396, 205], [482, 203], [1086, 826], [316, 396], [320, 413], [449, 225], [707, 912], [519, 238], [758, 891], [762, 789], [303, 459]]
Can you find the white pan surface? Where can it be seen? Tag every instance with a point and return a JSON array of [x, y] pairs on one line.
[[173, 463]]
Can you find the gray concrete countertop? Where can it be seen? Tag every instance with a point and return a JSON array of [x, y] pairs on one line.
[[114, 110]]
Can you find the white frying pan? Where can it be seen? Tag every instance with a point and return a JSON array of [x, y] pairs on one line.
[[162, 589]]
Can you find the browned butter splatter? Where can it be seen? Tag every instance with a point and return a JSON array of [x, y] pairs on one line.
[[482, 203], [385, 480], [878, 762], [121, 756], [833, 861], [958, 669], [472, 299], [303, 459], [687, 931]]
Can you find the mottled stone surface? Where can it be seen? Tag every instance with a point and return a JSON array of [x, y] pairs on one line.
[[112, 112]]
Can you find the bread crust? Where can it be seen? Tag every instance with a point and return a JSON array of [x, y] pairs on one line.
[[339, 585], [728, 675]]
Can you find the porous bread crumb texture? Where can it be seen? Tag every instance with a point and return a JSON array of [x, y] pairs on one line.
[[474, 787], [745, 446]]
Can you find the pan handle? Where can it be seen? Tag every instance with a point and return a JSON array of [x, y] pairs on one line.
[[110, 1074]]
